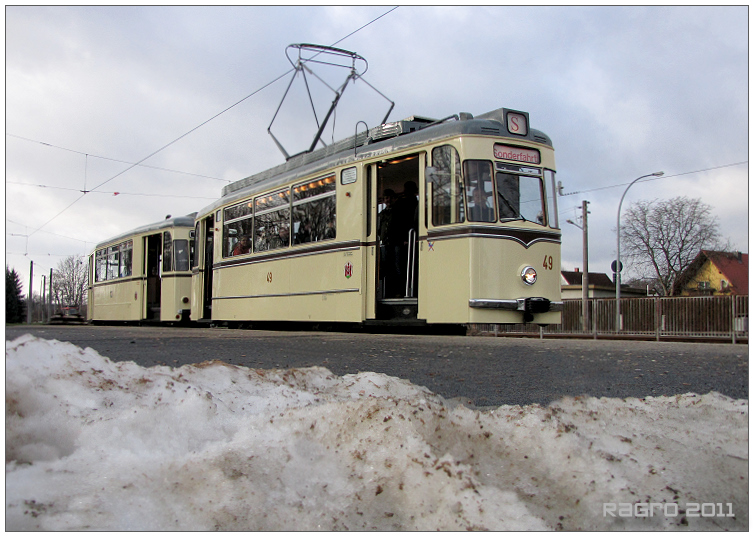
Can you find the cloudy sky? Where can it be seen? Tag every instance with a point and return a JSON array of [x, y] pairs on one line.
[[622, 92]]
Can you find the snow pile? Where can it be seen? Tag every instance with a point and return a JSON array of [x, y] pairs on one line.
[[92, 444]]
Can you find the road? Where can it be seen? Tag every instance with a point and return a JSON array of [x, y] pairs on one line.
[[480, 371]]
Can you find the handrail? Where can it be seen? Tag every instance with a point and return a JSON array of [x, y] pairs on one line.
[[411, 257]]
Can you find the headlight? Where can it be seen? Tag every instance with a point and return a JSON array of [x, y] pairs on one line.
[[529, 275]]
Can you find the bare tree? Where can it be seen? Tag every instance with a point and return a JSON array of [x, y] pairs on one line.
[[662, 237], [69, 282]]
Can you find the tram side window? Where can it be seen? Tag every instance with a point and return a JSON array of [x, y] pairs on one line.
[[100, 264], [314, 210], [112, 262], [181, 248], [237, 229], [195, 246], [447, 187], [520, 197], [272, 221], [552, 201], [480, 197], [126, 256], [167, 252]]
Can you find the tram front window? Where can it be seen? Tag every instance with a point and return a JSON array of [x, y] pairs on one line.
[[479, 192], [520, 197]]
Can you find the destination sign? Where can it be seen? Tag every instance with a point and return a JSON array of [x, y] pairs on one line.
[[519, 154]]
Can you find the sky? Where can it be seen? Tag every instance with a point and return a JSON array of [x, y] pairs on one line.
[[97, 445], [621, 91]]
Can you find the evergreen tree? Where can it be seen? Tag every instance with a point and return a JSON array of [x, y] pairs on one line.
[[14, 303]]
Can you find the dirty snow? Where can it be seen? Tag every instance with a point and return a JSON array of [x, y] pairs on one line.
[[93, 444]]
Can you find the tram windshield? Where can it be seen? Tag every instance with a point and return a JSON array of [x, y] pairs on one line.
[[519, 196]]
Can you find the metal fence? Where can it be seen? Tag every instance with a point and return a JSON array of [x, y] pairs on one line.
[[703, 317]]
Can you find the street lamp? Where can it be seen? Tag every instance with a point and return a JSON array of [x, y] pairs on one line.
[[617, 263]]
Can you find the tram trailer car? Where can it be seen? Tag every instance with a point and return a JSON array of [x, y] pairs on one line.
[[471, 235], [144, 274]]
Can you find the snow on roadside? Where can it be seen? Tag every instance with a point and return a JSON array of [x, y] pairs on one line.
[[96, 444]]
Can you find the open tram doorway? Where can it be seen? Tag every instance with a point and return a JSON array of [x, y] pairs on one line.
[[397, 238], [208, 233], [153, 251]]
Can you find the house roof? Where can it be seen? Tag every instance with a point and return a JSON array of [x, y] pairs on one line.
[[734, 266], [595, 278]]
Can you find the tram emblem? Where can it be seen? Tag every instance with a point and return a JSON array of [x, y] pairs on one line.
[[349, 270]]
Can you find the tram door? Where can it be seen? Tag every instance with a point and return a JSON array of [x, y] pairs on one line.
[[208, 233], [153, 251], [397, 238]]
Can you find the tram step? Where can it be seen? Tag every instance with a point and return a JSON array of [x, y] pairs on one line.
[[397, 308]]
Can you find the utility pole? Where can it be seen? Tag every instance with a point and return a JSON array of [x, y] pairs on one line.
[[44, 299], [585, 277], [30, 298], [49, 309], [585, 261]]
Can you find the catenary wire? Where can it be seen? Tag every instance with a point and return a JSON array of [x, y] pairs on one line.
[[656, 178], [197, 127], [115, 159]]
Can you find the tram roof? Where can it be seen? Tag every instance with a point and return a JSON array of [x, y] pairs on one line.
[[382, 140], [178, 221]]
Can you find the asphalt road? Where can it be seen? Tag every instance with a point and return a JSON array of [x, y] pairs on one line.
[[480, 371]]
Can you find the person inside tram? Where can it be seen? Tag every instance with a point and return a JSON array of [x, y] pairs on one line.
[[243, 246], [480, 211], [304, 232], [282, 238], [404, 218], [388, 243], [330, 229], [260, 243]]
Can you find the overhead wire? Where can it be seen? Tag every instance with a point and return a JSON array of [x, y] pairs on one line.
[[133, 165], [655, 178], [111, 192], [115, 159]]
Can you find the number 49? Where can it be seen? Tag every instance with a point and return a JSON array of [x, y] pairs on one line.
[[547, 263]]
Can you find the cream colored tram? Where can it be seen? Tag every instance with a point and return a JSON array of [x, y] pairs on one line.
[[470, 235], [143, 275]]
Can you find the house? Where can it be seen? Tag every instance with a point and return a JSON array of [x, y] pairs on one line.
[[600, 286], [714, 274]]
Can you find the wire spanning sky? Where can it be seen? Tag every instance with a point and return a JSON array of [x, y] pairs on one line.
[[622, 92]]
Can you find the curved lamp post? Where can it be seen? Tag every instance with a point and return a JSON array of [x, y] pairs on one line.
[[618, 265]]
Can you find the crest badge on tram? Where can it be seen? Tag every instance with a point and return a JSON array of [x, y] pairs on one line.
[[349, 270]]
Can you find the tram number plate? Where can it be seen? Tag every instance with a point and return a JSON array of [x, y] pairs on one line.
[[269, 277], [547, 264]]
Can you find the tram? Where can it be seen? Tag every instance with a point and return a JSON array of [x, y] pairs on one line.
[[417, 221], [144, 274]]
